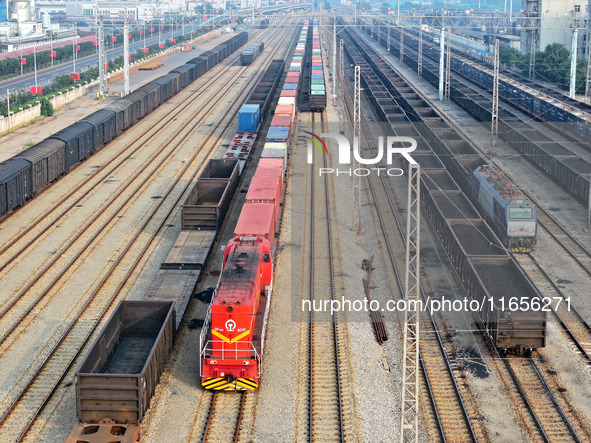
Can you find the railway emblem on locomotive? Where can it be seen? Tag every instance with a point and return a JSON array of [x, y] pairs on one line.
[[230, 325], [394, 145]]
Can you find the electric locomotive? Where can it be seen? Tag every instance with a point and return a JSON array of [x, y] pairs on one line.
[[512, 214]]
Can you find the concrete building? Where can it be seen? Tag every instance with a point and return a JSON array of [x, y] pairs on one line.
[[552, 21]]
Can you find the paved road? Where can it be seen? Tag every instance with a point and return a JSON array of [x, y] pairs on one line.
[[46, 75]]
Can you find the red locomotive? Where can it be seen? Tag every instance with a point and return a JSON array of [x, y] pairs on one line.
[[232, 343]]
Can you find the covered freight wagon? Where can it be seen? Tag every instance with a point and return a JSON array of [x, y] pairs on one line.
[[79, 141], [15, 183], [140, 100], [104, 122], [48, 162], [124, 113]]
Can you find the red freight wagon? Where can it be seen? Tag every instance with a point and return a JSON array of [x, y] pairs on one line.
[[257, 219], [265, 190], [269, 163]]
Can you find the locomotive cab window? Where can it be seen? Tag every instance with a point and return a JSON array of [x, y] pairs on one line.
[[266, 257], [520, 213]]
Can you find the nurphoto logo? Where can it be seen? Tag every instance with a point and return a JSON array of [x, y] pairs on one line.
[[394, 145]]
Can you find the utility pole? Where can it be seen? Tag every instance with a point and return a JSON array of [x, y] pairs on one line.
[[388, 43], [588, 78], [409, 429], [8, 107], [494, 127], [35, 66], [401, 53], [532, 55], [357, 146], [420, 57], [342, 86], [101, 37], [75, 45], [448, 66], [573, 63], [334, 59], [125, 55], [441, 62]]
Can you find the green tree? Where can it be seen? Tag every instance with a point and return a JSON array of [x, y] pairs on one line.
[[46, 107], [509, 56]]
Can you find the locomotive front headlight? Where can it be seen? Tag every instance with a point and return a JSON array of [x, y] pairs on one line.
[[245, 362], [213, 362]]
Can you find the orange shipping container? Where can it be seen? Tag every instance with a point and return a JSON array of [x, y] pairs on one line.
[[269, 163], [257, 219], [266, 189]]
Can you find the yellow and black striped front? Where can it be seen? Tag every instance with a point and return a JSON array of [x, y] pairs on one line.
[[221, 384], [524, 249]]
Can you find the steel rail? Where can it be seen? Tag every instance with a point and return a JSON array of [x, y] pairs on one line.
[[400, 285], [568, 424], [313, 241], [115, 293]]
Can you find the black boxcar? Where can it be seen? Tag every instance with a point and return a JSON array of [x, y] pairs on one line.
[[154, 94], [187, 73], [166, 89], [124, 110], [15, 183], [105, 126], [172, 82], [200, 66], [48, 162], [141, 105], [79, 140]]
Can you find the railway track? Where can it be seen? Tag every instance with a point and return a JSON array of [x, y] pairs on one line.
[[448, 418], [35, 387], [227, 412], [569, 245], [549, 416], [542, 418], [325, 401], [571, 321]]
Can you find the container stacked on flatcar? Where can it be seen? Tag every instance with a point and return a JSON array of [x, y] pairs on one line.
[[233, 335], [29, 172], [280, 133], [251, 114], [249, 54], [317, 83]]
